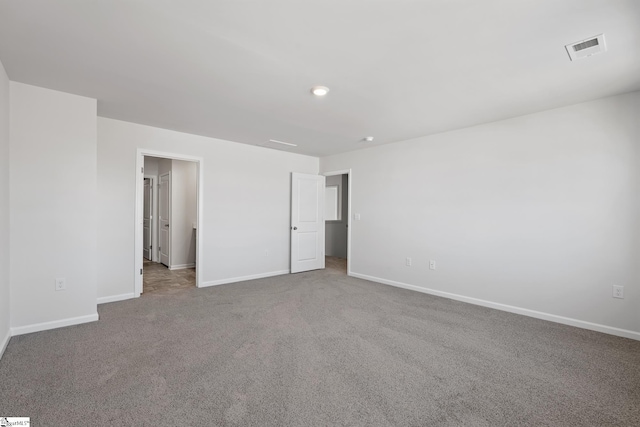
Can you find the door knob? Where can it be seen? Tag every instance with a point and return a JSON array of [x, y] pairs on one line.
[[295, 228], [166, 225]]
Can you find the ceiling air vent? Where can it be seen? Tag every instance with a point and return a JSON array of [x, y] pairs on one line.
[[587, 47], [279, 145]]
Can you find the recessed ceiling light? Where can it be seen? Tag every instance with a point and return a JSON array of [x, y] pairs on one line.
[[368, 139], [283, 143], [319, 90]]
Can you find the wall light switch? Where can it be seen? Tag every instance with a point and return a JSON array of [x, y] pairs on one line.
[[356, 217], [61, 284]]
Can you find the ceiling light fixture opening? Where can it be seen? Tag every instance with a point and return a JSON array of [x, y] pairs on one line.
[[368, 139], [319, 90]]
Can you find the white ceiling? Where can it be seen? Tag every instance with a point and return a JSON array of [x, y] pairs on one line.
[[242, 69]]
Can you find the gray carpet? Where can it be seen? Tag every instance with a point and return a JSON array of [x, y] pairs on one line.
[[316, 349]]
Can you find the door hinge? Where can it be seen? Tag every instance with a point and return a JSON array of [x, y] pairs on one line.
[[150, 247], [142, 170], [140, 271]]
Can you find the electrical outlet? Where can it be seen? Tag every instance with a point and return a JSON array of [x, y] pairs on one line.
[[266, 252], [432, 264], [618, 291], [408, 262], [61, 284], [356, 217]]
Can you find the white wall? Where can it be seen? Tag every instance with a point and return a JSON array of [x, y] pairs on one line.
[[4, 211], [246, 205], [336, 231], [539, 212], [53, 208], [183, 213]]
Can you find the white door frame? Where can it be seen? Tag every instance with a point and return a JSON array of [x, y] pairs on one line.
[[138, 220], [349, 187]]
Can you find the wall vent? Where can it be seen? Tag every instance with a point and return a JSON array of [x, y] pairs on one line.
[[587, 47]]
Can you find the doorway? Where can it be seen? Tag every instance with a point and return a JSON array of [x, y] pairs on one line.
[[174, 234], [311, 203], [168, 228], [337, 221]]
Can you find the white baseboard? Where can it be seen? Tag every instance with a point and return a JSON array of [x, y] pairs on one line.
[[182, 266], [4, 343], [243, 278], [20, 330], [511, 309], [114, 298]]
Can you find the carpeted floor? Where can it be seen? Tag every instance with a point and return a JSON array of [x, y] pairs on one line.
[[316, 349]]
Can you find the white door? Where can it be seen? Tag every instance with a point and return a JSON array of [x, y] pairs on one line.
[[307, 222], [164, 218], [146, 219]]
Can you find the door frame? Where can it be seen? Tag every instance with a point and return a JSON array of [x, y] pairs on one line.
[[349, 173], [139, 202]]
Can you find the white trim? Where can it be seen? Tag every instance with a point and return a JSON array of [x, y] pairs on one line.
[[182, 266], [509, 308], [5, 343], [349, 212], [37, 327], [137, 220], [244, 278], [114, 298]]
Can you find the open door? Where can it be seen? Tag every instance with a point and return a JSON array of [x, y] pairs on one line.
[[307, 222], [147, 218], [164, 218]]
